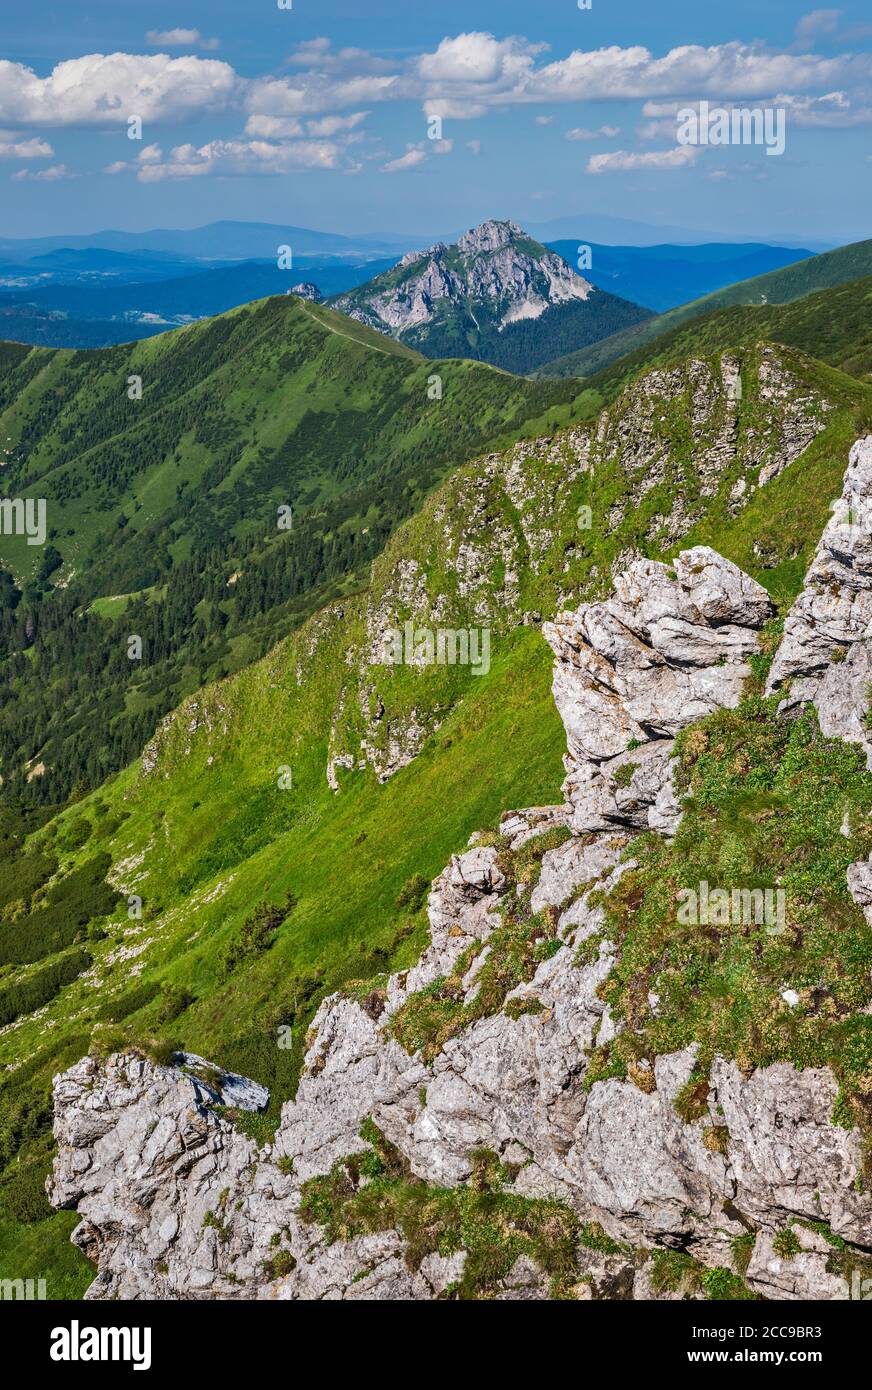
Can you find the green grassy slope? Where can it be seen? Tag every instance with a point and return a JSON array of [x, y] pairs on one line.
[[776, 287], [201, 832], [162, 512], [833, 325], [278, 402]]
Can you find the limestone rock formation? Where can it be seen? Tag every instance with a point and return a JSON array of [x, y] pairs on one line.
[[668, 648], [176, 1203], [826, 654]]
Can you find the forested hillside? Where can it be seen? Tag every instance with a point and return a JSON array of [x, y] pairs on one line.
[[272, 452]]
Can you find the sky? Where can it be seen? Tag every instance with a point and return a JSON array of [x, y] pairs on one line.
[[323, 115]]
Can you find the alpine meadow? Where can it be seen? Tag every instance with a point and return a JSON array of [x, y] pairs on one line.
[[436, 671]]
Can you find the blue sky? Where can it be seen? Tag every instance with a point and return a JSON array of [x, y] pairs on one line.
[[318, 115]]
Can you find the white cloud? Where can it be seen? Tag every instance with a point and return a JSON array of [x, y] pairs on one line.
[[50, 175], [274, 127], [241, 158], [414, 155], [474, 145], [832, 111], [582, 133], [103, 90], [544, 120], [314, 92], [817, 22], [443, 146], [11, 148], [179, 38], [152, 154], [463, 109], [476, 57], [334, 125], [678, 158]]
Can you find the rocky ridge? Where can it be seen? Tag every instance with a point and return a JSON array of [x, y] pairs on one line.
[[504, 540], [176, 1203]]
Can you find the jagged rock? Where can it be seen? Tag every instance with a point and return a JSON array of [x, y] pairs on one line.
[[175, 1203], [491, 269], [668, 649], [219, 1087], [825, 653], [800, 1276], [860, 886], [306, 290]]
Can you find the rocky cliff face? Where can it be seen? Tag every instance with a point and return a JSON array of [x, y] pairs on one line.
[[447, 1135], [492, 279], [491, 267]]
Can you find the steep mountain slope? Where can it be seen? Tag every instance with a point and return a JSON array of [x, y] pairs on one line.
[[833, 325], [662, 277], [163, 511], [496, 296], [576, 1067], [281, 828], [777, 287]]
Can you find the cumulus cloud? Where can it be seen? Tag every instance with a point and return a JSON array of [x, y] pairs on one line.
[[477, 57], [103, 90], [10, 148], [314, 92], [582, 133], [414, 155], [544, 120], [179, 38], [49, 175], [240, 158], [618, 160], [335, 125]]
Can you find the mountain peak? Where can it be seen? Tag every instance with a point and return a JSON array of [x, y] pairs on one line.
[[489, 236], [479, 297]]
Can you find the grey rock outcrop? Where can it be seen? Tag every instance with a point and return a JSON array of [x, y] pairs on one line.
[[825, 655], [670, 647], [491, 269], [176, 1203]]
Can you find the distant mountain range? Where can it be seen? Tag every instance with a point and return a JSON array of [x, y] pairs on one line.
[[218, 241], [114, 287], [662, 277], [777, 287]]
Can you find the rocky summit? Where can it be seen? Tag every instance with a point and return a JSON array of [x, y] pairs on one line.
[[482, 296], [485, 1078]]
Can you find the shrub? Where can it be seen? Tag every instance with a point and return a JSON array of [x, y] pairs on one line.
[[256, 934], [411, 895], [30, 994]]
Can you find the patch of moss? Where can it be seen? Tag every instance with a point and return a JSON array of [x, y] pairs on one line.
[[494, 1227], [764, 801], [786, 1243], [521, 941]]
